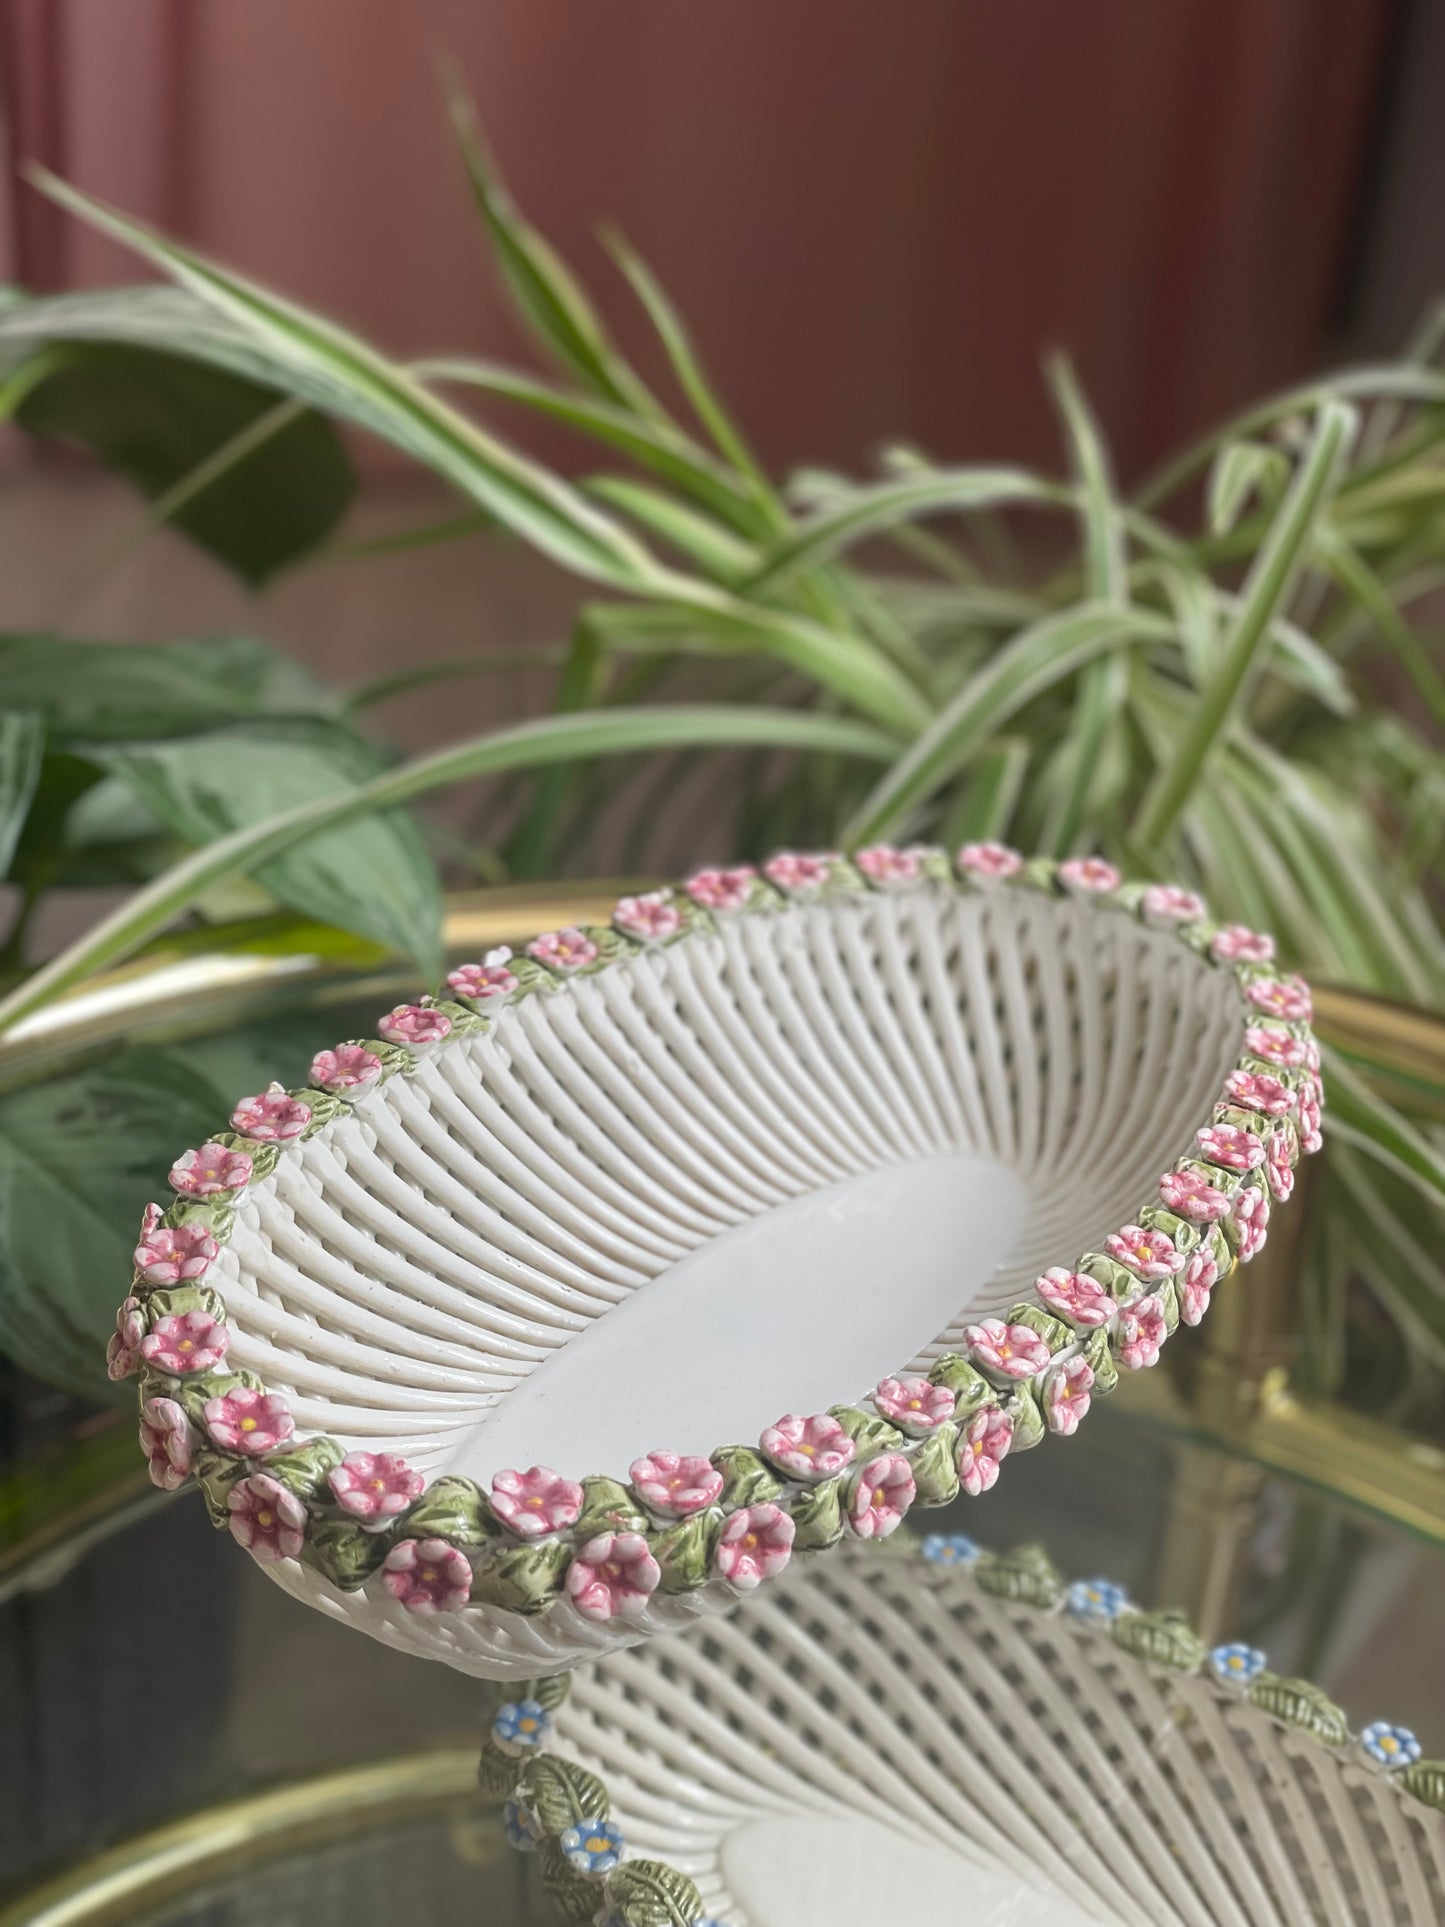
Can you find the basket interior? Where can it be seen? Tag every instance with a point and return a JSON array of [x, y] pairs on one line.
[[743, 1174]]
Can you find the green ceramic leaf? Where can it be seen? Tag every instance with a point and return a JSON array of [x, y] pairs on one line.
[[647, 1893], [1022, 1406], [212, 1215], [934, 1471], [1163, 1638], [1426, 1780], [684, 1552], [498, 1773], [524, 1579], [192, 1394], [1101, 1362], [1026, 1574], [747, 1479], [871, 1433], [303, 1469], [342, 1552], [1302, 1704], [175, 1301], [1054, 1332], [971, 1390], [817, 1514], [216, 1473], [454, 1509], [607, 1506], [575, 1899], [561, 1794]]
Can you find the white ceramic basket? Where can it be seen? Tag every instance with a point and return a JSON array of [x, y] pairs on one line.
[[933, 1734], [764, 1144]]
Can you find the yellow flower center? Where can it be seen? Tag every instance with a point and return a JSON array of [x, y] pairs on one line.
[[186, 1345], [428, 1576], [597, 1843], [1387, 1743], [750, 1539], [248, 1425], [267, 1519]]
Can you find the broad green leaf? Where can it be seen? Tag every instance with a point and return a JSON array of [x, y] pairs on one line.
[[869, 511], [553, 739], [111, 692], [373, 877], [548, 296], [22, 748], [304, 355], [205, 447], [1243, 470], [80, 1157], [1275, 571], [1037, 660]]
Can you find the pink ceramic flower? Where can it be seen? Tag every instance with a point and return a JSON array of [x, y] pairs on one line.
[[1287, 997], [1230, 1146], [122, 1354], [210, 1170], [1258, 1091], [1148, 1254], [982, 1449], [675, 1485], [882, 1492], [168, 1440], [535, 1502], [756, 1544], [613, 1576], [722, 889], [565, 950], [416, 1025], [1251, 1222], [191, 1341], [1236, 943], [988, 862], [652, 918], [265, 1518], [490, 978], [1280, 1047], [1200, 1276], [374, 1487], [1311, 1098], [914, 1405], [1168, 903], [808, 1448], [1279, 1164], [349, 1067], [1066, 1395], [1090, 874], [882, 864], [1015, 1350], [428, 1576], [1142, 1332], [798, 874], [271, 1117], [1075, 1295], [249, 1422], [1190, 1195], [170, 1254]]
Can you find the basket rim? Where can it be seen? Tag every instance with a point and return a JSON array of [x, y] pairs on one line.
[[445, 1544]]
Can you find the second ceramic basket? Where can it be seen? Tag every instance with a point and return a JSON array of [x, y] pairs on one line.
[[598, 1287]]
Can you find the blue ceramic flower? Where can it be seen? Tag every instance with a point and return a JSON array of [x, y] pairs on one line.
[[1237, 1664], [944, 1549], [1392, 1746], [1095, 1599], [593, 1848], [520, 1725], [520, 1825]]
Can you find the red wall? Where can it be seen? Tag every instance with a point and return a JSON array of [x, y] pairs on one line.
[[876, 217]]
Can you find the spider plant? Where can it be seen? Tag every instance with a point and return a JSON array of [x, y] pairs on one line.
[[1225, 677]]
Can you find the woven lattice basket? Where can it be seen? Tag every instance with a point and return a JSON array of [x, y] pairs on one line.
[[651, 1203], [929, 1733]]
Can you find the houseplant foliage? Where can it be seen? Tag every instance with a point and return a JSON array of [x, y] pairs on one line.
[[1227, 681]]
